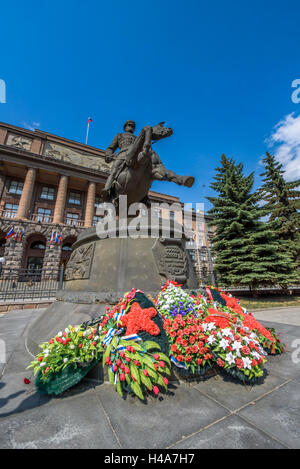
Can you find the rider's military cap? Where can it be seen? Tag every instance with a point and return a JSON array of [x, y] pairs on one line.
[[129, 122]]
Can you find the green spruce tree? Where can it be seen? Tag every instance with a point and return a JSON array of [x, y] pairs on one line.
[[282, 201], [246, 248]]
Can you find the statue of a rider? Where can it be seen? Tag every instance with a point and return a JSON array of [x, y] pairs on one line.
[[122, 141], [125, 141]]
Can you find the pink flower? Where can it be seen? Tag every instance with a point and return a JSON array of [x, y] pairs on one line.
[[166, 381], [155, 390], [145, 372], [220, 362], [122, 377]]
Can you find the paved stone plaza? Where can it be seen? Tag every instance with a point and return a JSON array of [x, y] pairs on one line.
[[215, 413]]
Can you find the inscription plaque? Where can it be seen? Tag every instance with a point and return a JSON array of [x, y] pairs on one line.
[[79, 265], [171, 259]]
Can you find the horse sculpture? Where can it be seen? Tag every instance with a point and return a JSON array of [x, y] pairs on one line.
[[140, 166]]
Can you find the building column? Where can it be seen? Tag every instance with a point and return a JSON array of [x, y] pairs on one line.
[[2, 182], [58, 216], [26, 197], [90, 205]]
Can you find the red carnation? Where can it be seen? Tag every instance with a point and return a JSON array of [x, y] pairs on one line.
[[145, 372], [162, 364], [245, 350], [166, 381], [122, 377], [239, 363], [26, 381], [51, 341], [220, 362], [126, 370], [199, 361], [156, 356], [155, 390]]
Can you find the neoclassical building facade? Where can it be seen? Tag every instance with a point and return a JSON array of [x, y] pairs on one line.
[[49, 193]]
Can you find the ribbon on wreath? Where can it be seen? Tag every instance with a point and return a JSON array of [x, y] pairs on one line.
[[177, 363]]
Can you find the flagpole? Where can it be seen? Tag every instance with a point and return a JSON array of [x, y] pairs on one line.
[[87, 132]]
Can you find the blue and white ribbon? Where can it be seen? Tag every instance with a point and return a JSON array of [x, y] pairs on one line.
[[119, 315], [177, 363]]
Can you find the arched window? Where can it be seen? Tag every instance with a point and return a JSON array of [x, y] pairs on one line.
[[38, 245], [67, 247]]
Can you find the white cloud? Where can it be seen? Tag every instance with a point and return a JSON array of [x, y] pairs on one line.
[[285, 141], [32, 126]]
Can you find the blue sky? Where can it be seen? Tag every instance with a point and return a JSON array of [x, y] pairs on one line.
[[219, 73]]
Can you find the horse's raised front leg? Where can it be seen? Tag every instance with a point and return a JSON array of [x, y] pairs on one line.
[[146, 151], [160, 173]]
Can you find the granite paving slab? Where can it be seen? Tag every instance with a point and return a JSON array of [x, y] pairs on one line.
[[74, 423], [278, 414], [234, 394], [161, 422], [232, 432]]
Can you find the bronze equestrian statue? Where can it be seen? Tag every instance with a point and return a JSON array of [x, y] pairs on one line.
[[136, 165]]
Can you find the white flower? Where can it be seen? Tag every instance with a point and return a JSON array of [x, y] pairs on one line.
[[72, 347], [224, 344], [67, 330], [43, 364], [246, 340], [227, 332], [84, 334], [237, 346], [59, 334], [256, 355], [65, 360], [247, 363], [46, 351], [230, 358], [211, 340], [211, 326], [97, 337]]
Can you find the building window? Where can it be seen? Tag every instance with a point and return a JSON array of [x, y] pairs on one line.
[[157, 212], [47, 193], [172, 215], [16, 187], [67, 247], [44, 214], [10, 210], [98, 202], [74, 198], [37, 245], [97, 219], [72, 218]]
